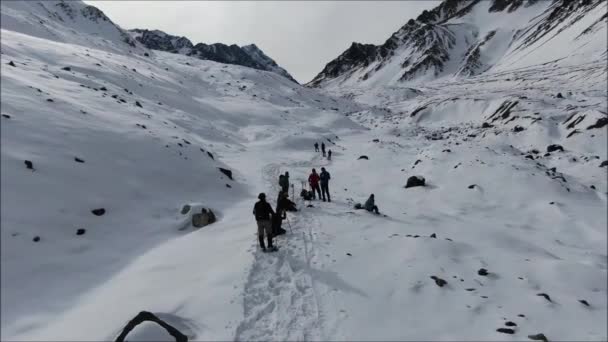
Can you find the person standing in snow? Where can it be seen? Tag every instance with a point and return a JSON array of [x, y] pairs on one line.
[[313, 180], [323, 149], [328, 154], [370, 205], [284, 183], [316, 147], [325, 177], [263, 215]]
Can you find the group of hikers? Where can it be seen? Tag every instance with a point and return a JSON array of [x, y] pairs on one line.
[[323, 150], [269, 221]]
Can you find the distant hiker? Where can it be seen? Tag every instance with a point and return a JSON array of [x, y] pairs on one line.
[[263, 215], [325, 177], [284, 182], [323, 149], [316, 147], [313, 180], [370, 205], [328, 154]]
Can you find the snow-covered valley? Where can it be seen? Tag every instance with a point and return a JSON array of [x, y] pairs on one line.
[[515, 185]]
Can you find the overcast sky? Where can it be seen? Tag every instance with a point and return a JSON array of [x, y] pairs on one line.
[[301, 36]]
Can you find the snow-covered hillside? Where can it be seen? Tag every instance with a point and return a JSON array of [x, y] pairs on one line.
[[106, 126]]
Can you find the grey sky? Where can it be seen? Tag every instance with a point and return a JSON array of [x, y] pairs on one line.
[[301, 36]]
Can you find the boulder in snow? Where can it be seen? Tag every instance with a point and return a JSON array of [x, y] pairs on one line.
[[538, 337], [415, 181], [554, 147], [227, 172], [204, 218], [146, 316], [98, 211], [185, 209], [80, 231], [604, 163], [518, 128], [29, 164], [506, 331], [363, 157]]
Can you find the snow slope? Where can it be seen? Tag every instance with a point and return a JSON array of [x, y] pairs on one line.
[[461, 38], [532, 220]]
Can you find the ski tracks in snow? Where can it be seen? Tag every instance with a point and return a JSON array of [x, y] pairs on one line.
[[280, 301]]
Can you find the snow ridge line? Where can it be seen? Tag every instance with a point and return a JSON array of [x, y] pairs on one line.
[[280, 302]]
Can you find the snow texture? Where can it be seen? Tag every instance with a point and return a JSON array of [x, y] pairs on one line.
[[105, 127]]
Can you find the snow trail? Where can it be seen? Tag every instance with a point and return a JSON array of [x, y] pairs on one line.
[[280, 301]]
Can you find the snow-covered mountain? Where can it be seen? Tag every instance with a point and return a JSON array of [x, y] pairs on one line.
[[506, 240], [248, 55], [461, 38], [72, 22]]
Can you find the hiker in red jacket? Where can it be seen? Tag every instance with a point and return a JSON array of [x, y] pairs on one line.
[[313, 180]]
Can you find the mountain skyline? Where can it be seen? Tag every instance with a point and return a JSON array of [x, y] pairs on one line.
[[302, 37]]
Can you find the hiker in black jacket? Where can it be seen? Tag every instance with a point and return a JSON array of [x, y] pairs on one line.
[[323, 149], [263, 215], [283, 205], [328, 154], [325, 177], [316, 147]]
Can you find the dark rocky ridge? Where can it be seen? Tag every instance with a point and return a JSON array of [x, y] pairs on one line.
[[249, 55]]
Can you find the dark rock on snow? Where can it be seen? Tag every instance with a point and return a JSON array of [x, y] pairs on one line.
[[6, 116], [440, 282], [434, 236], [554, 147], [78, 160], [601, 122], [510, 324], [227, 172], [138, 104], [98, 212], [36, 238], [185, 209], [363, 157], [559, 96], [518, 129], [472, 186], [584, 302], [415, 181], [482, 272], [29, 164], [210, 155], [604, 163], [11, 64], [144, 316], [546, 296], [67, 68], [506, 331], [80, 231], [538, 337], [486, 125]]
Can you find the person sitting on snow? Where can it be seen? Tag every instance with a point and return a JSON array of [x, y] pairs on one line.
[[370, 205]]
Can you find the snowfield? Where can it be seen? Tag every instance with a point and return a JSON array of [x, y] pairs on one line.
[[509, 233]]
